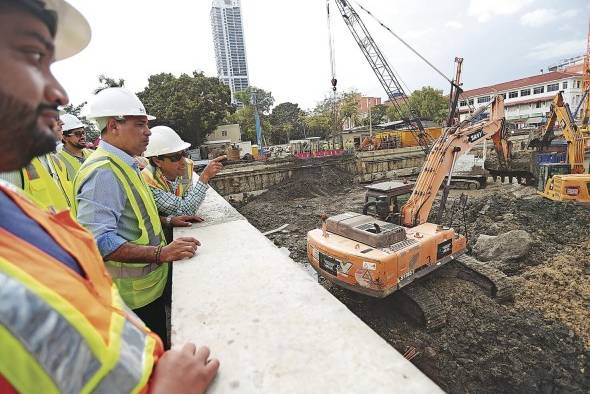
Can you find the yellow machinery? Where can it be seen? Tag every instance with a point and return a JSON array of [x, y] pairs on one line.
[[564, 181], [377, 256]]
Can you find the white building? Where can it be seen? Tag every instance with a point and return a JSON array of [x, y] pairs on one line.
[[228, 40], [527, 100]]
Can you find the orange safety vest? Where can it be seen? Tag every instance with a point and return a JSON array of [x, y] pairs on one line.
[[62, 332]]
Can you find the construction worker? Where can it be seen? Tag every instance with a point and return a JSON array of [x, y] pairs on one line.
[[45, 179], [63, 325], [74, 150], [114, 203], [170, 174]]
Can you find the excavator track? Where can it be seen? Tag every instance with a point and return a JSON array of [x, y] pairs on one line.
[[488, 278], [423, 306]]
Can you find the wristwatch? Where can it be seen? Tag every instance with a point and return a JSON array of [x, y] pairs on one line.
[[168, 220]]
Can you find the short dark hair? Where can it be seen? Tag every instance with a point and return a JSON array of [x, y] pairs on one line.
[[34, 7]]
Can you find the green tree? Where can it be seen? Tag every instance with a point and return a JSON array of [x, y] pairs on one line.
[[378, 115], [287, 123], [349, 107], [107, 82], [244, 116], [428, 103], [193, 105]]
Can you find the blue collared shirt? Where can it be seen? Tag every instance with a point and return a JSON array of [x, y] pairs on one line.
[[101, 202]]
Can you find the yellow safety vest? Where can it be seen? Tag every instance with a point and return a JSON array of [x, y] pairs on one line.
[[156, 179], [40, 185], [72, 163], [139, 284], [61, 332]]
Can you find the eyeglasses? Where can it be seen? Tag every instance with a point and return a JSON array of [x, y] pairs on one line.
[[175, 156], [78, 133]]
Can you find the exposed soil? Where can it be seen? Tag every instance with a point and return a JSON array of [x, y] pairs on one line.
[[541, 343]]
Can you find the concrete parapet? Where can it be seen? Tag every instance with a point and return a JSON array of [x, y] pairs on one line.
[[273, 327]]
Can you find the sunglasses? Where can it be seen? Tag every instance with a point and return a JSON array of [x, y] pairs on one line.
[[175, 157]]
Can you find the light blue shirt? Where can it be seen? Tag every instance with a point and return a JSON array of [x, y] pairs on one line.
[[101, 202]]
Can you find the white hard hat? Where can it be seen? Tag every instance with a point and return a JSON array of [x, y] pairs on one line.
[[163, 141], [115, 102], [71, 122], [73, 31]]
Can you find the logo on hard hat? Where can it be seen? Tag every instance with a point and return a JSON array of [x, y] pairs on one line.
[[142, 110]]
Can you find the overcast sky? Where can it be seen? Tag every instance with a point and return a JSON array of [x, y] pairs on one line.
[[287, 42]]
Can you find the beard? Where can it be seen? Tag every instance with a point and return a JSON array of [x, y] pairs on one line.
[[21, 138]]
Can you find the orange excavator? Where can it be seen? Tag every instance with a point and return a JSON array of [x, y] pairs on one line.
[[378, 255]]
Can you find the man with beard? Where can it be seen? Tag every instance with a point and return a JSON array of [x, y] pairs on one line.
[[45, 178], [63, 325], [74, 150]]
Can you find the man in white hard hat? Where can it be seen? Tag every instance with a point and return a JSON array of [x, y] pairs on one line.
[[74, 150], [169, 174], [115, 204], [63, 326]]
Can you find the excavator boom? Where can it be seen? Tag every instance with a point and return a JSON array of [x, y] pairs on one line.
[[453, 143]]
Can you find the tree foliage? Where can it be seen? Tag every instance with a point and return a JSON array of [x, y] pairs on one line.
[[108, 82], [287, 122], [193, 105], [244, 116], [427, 103], [378, 115]]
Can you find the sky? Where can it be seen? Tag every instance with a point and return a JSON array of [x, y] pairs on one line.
[[287, 43]]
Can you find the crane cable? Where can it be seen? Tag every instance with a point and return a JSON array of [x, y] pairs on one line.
[[331, 44], [405, 43]]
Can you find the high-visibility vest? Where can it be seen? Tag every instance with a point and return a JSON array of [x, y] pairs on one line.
[[156, 179], [71, 162], [139, 284], [49, 191], [62, 332]]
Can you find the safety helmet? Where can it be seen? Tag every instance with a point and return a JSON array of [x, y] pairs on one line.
[[70, 29], [115, 102], [163, 141], [70, 122]]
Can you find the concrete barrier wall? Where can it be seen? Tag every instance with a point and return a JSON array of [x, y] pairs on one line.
[[365, 166], [273, 327]]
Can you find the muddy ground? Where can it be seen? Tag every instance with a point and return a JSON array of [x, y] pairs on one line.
[[539, 343]]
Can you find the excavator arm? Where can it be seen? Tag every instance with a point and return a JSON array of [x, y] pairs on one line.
[[455, 142], [561, 115]]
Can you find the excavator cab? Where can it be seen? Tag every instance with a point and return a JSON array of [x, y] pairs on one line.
[[383, 200]]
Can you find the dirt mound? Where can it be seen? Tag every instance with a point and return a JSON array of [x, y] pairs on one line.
[[520, 161], [311, 182], [534, 345]]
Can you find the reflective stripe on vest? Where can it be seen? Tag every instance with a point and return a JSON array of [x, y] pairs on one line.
[[41, 331], [139, 284], [42, 187]]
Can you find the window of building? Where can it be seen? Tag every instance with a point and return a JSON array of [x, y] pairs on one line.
[[538, 105], [525, 92], [513, 94], [224, 133], [553, 87], [577, 84], [470, 101], [483, 99], [564, 85], [463, 103], [503, 95], [539, 90]]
